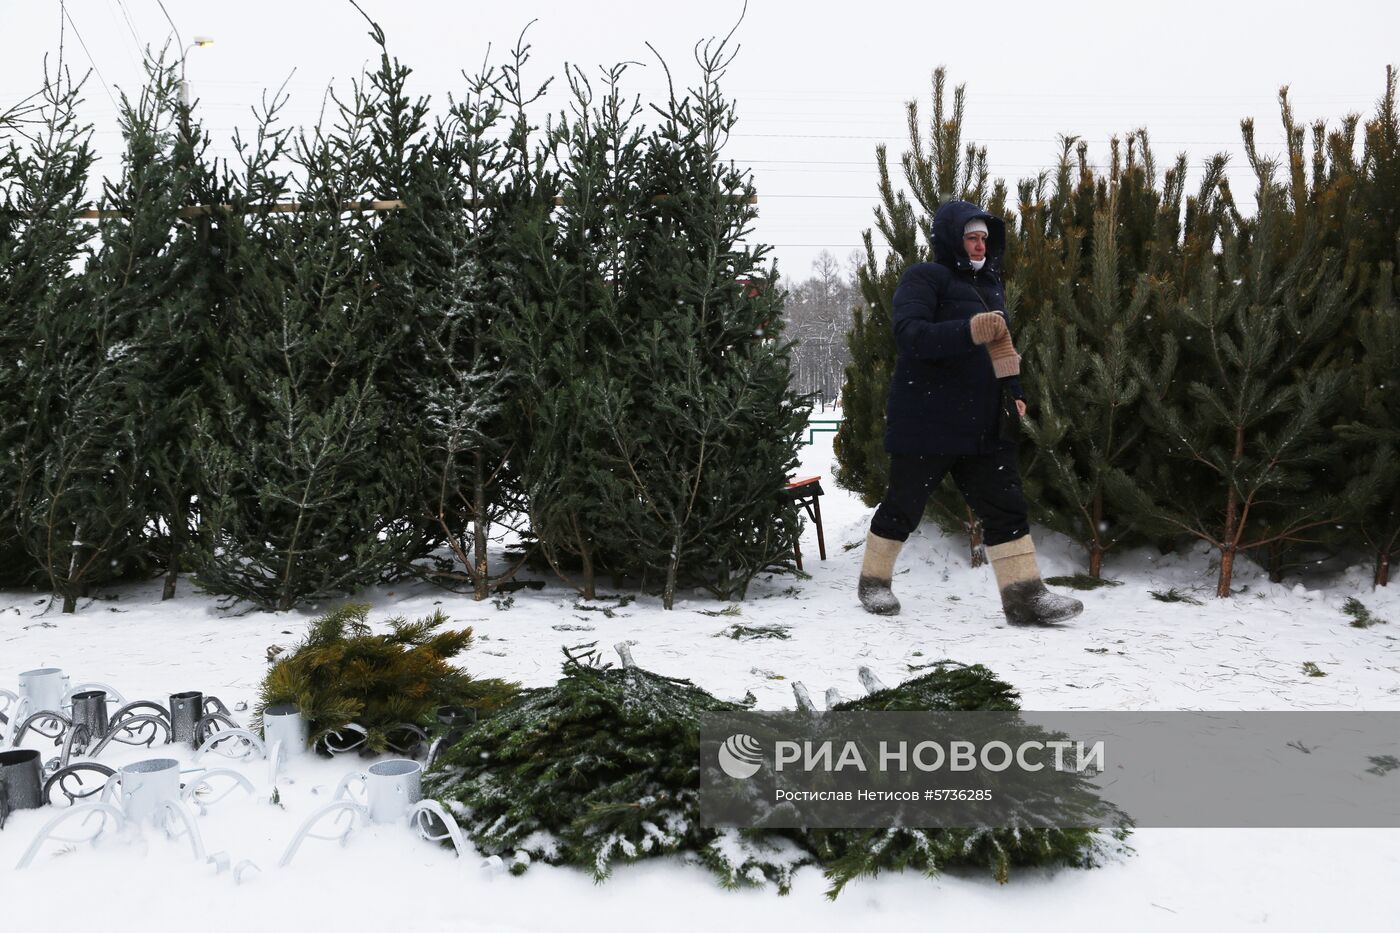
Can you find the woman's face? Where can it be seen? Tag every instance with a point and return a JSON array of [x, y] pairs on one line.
[[976, 245]]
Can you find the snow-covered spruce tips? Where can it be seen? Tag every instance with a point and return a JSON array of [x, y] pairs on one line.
[[603, 768]]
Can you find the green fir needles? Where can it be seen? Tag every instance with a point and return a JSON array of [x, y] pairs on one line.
[[1361, 617], [848, 854], [344, 673], [604, 767]]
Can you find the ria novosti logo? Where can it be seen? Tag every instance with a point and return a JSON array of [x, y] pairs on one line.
[[740, 756]]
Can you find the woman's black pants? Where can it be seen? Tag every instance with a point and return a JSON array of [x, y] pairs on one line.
[[990, 483]]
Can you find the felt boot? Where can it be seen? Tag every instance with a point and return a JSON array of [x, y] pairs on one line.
[[1024, 598], [875, 575]]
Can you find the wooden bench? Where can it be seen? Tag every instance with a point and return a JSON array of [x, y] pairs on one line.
[[807, 493]]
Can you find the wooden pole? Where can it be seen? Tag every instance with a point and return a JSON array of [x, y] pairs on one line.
[[281, 207], [296, 207]]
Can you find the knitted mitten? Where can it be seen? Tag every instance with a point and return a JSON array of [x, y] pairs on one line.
[[987, 326], [1005, 360]]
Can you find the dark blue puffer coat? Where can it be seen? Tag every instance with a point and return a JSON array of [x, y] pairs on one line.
[[944, 397]]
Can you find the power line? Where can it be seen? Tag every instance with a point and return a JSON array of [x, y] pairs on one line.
[[979, 140], [997, 117], [131, 27], [1032, 102], [105, 86], [116, 39], [173, 28], [855, 97], [1262, 141], [812, 92], [870, 163], [862, 197]]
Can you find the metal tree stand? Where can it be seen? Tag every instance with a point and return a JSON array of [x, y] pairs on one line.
[[101, 799], [393, 794]]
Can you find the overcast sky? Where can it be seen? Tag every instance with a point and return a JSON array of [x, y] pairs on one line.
[[818, 84]]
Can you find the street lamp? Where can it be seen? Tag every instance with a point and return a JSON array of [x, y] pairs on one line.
[[199, 42]]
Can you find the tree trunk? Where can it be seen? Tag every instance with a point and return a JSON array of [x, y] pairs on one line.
[[479, 559], [1231, 537], [1096, 543], [668, 593], [172, 571], [70, 596], [1276, 552], [1227, 568], [590, 590], [1383, 568]]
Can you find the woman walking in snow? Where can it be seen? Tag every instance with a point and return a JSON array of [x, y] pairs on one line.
[[953, 403]]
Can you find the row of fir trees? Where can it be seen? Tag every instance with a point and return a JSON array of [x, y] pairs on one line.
[[374, 348], [1194, 373]]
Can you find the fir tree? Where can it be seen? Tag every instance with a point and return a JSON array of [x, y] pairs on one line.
[[456, 285], [43, 181], [1372, 433], [1080, 350], [1250, 416], [703, 426], [660, 428], [108, 367], [443, 396], [300, 493], [1050, 247], [1373, 438], [1380, 170], [151, 272], [576, 262], [1324, 209]]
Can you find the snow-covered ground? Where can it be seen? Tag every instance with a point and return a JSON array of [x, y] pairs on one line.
[[1128, 651]]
